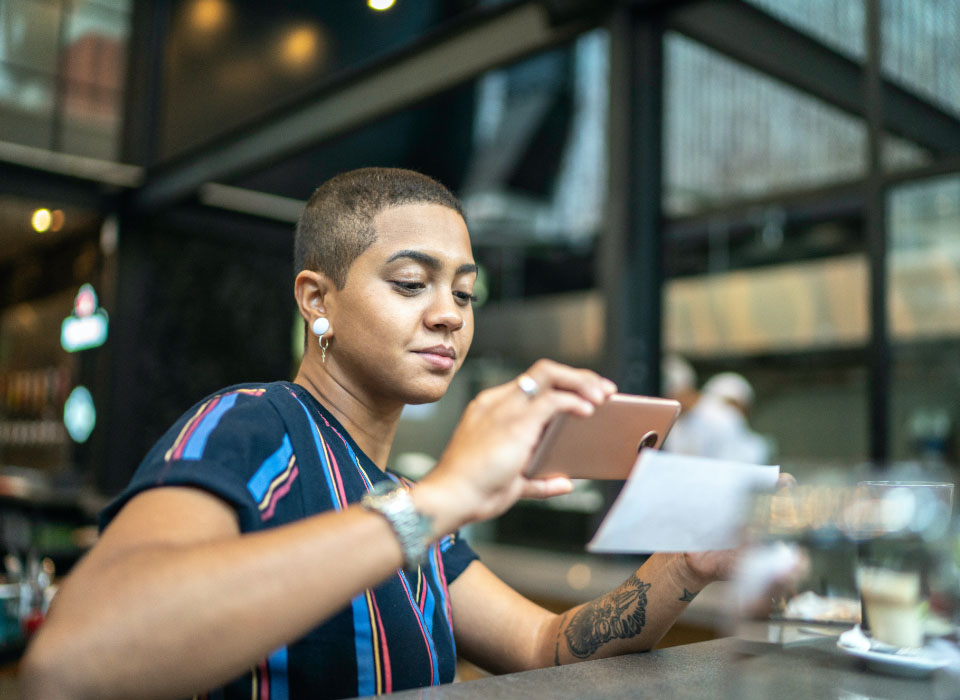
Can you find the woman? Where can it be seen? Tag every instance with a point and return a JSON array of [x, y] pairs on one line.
[[239, 557]]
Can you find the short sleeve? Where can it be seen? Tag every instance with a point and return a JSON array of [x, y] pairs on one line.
[[456, 554], [221, 446]]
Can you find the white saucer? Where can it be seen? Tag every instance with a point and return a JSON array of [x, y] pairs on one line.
[[913, 663]]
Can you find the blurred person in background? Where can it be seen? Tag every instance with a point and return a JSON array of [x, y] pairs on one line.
[[717, 426], [679, 380], [261, 550]]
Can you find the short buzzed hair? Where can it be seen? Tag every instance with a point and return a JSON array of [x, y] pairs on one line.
[[336, 226]]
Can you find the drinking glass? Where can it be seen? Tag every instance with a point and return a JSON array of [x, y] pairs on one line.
[[899, 527]]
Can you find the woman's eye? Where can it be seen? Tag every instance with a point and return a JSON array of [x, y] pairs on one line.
[[464, 297], [408, 287]]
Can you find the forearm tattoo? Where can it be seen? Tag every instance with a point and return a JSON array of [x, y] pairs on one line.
[[687, 596], [618, 615], [556, 651]]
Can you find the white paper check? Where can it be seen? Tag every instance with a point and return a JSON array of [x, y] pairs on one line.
[[677, 503]]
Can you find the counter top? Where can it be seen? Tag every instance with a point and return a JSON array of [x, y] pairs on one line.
[[714, 669]]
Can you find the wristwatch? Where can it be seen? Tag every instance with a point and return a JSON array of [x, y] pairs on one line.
[[412, 528]]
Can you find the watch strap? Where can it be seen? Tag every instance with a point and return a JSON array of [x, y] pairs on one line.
[[412, 528]]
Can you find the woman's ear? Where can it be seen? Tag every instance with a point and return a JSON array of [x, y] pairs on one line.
[[313, 292]]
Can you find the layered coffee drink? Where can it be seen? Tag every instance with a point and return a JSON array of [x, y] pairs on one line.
[[893, 604]]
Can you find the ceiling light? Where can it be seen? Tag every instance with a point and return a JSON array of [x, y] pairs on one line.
[[380, 4], [300, 47], [207, 16], [41, 220]]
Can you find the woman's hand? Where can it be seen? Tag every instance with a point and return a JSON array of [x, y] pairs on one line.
[[480, 474], [719, 565]]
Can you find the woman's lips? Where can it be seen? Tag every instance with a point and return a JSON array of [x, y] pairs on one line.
[[439, 357]]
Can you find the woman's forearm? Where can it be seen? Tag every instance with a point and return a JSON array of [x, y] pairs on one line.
[[169, 621], [631, 618]]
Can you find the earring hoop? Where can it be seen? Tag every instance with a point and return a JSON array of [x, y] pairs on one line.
[[324, 344]]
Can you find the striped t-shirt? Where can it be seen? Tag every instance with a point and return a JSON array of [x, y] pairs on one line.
[[276, 455]]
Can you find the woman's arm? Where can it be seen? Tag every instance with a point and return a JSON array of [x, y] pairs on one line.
[[173, 600], [501, 631]]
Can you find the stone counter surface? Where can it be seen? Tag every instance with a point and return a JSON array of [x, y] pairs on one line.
[[714, 669]]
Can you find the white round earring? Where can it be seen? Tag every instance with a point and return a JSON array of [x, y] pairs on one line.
[[320, 326]]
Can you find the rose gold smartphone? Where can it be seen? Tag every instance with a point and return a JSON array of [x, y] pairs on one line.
[[605, 445]]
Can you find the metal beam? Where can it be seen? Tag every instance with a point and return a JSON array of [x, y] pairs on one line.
[[68, 166], [879, 356], [384, 88], [823, 204], [630, 256], [753, 37], [142, 105], [252, 202]]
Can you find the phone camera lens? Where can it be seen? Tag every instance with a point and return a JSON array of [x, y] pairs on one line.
[[648, 440]]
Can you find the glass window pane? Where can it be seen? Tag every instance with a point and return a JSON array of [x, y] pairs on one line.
[[924, 260], [92, 72], [78, 85], [923, 274], [91, 124], [920, 48], [793, 307], [539, 160], [900, 154], [26, 106], [29, 34], [117, 6], [813, 410], [95, 46], [732, 133]]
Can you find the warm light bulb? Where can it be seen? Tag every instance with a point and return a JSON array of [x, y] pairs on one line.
[[380, 4], [41, 220], [300, 47], [208, 15]]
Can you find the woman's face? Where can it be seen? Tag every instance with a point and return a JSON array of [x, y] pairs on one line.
[[403, 321]]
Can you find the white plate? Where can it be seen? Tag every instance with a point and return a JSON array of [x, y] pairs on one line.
[[914, 663]]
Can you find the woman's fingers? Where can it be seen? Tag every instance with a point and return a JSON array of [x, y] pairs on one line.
[[552, 375], [546, 488], [553, 402]]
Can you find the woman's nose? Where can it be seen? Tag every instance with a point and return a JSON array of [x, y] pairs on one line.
[[445, 314]]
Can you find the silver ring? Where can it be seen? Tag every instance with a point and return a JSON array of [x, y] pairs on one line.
[[528, 385]]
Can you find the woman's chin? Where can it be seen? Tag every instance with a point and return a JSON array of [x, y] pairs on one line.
[[420, 398], [426, 394]]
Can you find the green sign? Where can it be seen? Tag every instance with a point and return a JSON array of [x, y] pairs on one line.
[[79, 415], [87, 327]]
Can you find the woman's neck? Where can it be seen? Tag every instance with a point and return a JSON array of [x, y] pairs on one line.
[[371, 425]]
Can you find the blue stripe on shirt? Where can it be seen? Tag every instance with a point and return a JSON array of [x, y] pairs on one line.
[[315, 432], [363, 646], [428, 609], [198, 441], [279, 684], [272, 467]]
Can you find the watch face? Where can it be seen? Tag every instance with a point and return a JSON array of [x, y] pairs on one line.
[[382, 488]]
